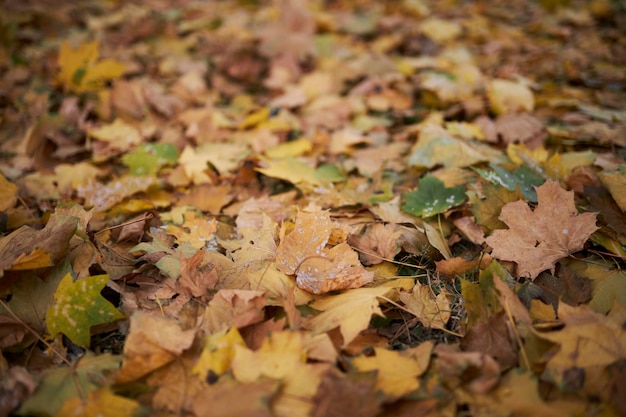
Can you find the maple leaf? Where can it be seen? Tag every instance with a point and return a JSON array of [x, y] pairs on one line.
[[432, 197], [79, 70], [317, 268], [537, 239], [396, 374], [103, 197], [26, 248], [79, 306], [59, 385], [100, 403], [8, 193], [350, 311], [152, 342], [379, 242], [432, 311]]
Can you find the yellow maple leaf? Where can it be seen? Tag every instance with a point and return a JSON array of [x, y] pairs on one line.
[[432, 311], [396, 374], [80, 70], [195, 230], [8, 193], [350, 311], [218, 352], [509, 97], [99, 403]]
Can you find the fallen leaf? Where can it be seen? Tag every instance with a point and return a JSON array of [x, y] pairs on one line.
[[217, 353], [433, 311], [79, 306], [80, 70], [376, 243], [27, 248], [340, 395], [59, 385], [318, 269], [233, 308], [615, 182], [8, 193], [396, 374], [509, 97], [152, 342], [228, 398], [432, 197], [99, 403], [537, 239], [351, 311]]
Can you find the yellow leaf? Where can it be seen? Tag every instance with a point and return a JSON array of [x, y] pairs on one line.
[[351, 311], [218, 353], [38, 258], [289, 149], [520, 154], [255, 118], [99, 403], [396, 374], [560, 165], [152, 342], [78, 70], [432, 311], [279, 354], [615, 182], [8, 194], [509, 97], [289, 169], [118, 134]]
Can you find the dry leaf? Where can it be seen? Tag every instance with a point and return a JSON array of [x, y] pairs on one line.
[[537, 239], [432, 311]]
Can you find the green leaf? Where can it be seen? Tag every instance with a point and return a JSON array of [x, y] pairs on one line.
[[523, 177], [329, 173], [78, 306], [148, 158], [60, 384], [432, 197]]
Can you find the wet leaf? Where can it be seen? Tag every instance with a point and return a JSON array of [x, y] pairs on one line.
[[433, 197]]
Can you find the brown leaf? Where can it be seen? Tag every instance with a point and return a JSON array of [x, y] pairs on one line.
[[377, 243], [537, 239], [27, 248], [233, 308], [493, 338], [478, 371], [196, 277], [228, 398], [339, 395], [152, 342]]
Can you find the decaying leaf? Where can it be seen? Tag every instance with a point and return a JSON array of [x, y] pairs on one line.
[[80, 69], [152, 342], [78, 306], [350, 311], [537, 239], [319, 269], [433, 311]]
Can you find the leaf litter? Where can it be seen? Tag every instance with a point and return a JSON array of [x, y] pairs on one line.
[[308, 208]]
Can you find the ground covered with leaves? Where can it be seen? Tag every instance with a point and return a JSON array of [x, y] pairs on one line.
[[312, 208]]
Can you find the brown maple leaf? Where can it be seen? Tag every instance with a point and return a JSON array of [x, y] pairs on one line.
[[537, 239]]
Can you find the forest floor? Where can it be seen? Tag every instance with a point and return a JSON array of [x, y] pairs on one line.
[[313, 208]]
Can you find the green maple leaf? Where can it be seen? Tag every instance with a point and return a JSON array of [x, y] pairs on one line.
[[523, 177], [148, 158], [78, 306], [432, 197]]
